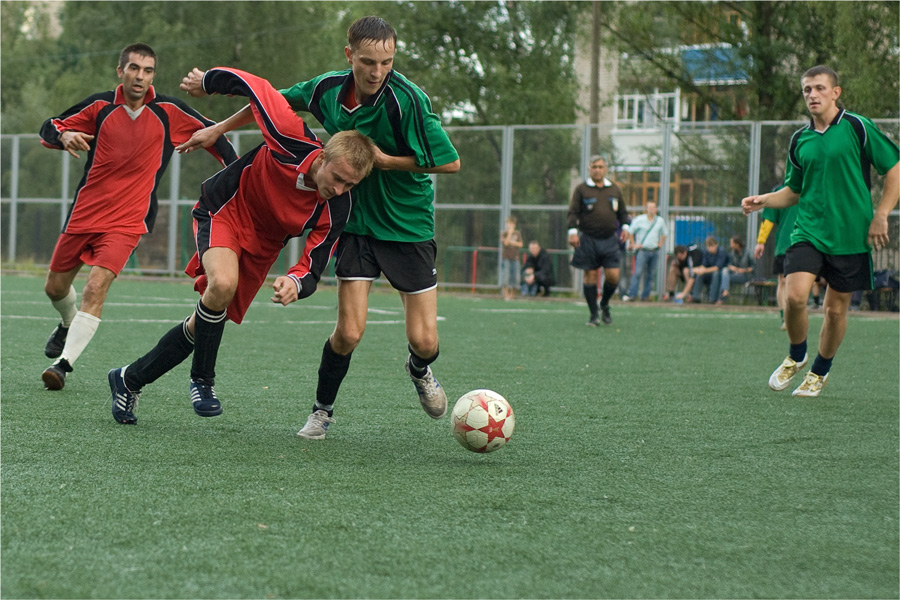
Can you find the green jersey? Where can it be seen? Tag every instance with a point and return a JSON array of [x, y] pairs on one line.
[[390, 205], [783, 218], [830, 170]]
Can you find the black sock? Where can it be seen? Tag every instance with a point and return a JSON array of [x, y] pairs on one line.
[[821, 365], [419, 365], [608, 290], [798, 351], [208, 328], [590, 296], [332, 370], [169, 352]]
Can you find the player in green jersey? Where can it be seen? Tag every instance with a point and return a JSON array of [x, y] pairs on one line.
[[836, 228], [391, 227]]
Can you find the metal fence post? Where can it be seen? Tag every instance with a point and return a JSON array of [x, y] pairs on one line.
[[665, 180], [174, 193], [14, 199]]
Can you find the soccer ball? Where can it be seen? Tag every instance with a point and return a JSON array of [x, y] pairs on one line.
[[482, 421]]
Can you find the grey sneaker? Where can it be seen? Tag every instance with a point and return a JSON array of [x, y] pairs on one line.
[[316, 426], [431, 394], [781, 377]]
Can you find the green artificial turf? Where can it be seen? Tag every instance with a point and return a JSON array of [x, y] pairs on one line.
[[650, 459]]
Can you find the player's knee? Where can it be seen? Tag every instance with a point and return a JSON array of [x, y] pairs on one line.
[[346, 338], [424, 344], [222, 287]]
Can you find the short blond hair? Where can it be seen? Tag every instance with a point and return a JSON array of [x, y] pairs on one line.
[[354, 147]]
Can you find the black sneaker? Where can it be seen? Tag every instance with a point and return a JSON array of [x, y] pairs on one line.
[[604, 315], [203, 397], [56, 342], [124, 401], [54, 376], [594, 321]]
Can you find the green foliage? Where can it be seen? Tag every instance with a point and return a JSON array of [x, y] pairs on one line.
[[773, 41]]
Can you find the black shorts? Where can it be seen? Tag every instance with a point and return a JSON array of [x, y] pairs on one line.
[[408, 266], [843, 272], [593, 253], [778, 267]]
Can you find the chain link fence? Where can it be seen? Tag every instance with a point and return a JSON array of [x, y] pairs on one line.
[[526, 171]]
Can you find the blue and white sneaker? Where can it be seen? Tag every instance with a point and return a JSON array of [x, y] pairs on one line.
[[431, 394], [203, 397], [124, 401]]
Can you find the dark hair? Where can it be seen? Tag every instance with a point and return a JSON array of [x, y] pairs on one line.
[[370, 29], [822, 70], [679, 248], [739, 241], [139, 49]]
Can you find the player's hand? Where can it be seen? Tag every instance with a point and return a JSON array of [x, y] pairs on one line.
[[751, 204], [285, 290], [202, 138], [574, 240], [758, 251], [878, 232], [73, 141], [193, 83]]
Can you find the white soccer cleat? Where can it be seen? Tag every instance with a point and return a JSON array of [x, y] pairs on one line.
[[316, 426], [431, 394], [811, 386], [782, 376]]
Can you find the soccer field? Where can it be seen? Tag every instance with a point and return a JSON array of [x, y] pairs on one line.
[[650, 459]]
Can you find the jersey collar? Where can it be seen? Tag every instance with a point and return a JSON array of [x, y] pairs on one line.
[[349, 86], [835, 121], [590, 182], [120, 95]]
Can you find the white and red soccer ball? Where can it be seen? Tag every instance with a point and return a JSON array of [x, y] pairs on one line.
[[482, 421]]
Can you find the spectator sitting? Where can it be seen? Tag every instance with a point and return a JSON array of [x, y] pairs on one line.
[[709, 273], [681, 269], [537, 272], [741, 265]]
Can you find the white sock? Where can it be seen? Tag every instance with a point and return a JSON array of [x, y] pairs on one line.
[[66, 307], [82, 329]]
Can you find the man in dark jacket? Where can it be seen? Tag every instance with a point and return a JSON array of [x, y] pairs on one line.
[[537, 272]]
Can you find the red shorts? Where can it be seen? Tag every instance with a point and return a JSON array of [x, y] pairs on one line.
[[255, 257], [110, 250]]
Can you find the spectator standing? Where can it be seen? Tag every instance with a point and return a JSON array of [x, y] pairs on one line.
[[827, 177], [596, 210], [511, 240], [537, 272], [647, 234]]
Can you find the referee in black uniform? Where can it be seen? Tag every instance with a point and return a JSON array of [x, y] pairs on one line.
[[595, 213]]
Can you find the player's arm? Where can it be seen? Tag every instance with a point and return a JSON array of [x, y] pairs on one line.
[[878, 229], [204, 138], [782, 198], [74, 130], [572, 217], [184, 122], [320, 244], [386, 162]]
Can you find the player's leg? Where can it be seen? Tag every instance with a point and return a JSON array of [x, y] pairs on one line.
[[610, 283], [589, 289], [834, 327], [422, 335], [62, 295], [640, 267], [353, 308], [796, 318], [208, 325], [125, 383], [651, 259]]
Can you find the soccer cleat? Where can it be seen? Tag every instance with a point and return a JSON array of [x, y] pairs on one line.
[[594, 321], [56, 342], [431, 394], [627, 298], [54, 376], [811, 386], [782, 376], [124, 401], [316, 426], [203, 397], [604, 315]]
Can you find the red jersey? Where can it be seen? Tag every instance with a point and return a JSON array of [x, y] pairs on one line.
[[127, 157], [265, 193]]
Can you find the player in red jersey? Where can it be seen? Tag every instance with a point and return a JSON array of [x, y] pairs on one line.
[[246, 214], [129, 135]]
